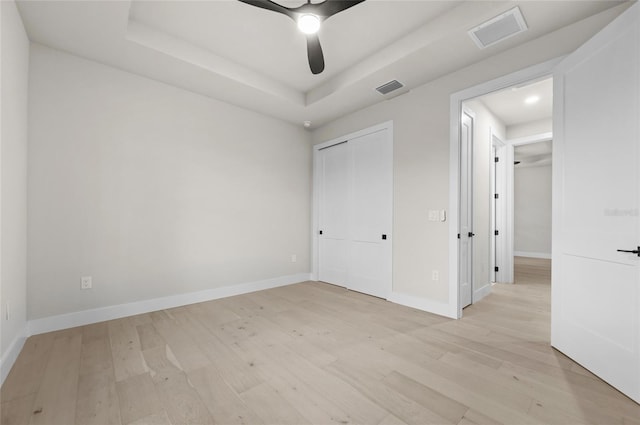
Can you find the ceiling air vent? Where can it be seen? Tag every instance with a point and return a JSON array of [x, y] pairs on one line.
[[389, 87], [499, 28]]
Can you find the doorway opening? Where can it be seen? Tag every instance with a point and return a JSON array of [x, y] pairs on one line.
[[510, 114], [509, 189]]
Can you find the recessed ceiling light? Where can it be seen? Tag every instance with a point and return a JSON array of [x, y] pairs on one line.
[[307, 124], [531, 100], [309, 24]]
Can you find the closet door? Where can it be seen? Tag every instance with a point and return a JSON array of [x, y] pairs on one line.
[[355, 196], [370, 215], [333, 215]]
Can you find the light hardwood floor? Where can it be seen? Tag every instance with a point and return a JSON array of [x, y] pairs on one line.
[[314, 353]]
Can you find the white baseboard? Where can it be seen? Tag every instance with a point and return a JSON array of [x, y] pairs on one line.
[[11, 355], [424, 304], [545, 255], [86, 317], [479, 294]]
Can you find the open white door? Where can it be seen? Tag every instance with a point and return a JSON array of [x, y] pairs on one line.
[[596, 181], [465, 246]]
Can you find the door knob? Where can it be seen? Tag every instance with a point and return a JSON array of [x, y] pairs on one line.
[[635, 251]]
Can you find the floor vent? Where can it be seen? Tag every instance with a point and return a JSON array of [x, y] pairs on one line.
[[499, 28], [389, 87]]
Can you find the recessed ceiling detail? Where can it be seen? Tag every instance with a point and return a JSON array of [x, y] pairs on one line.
[[499, 28], [248, 57]]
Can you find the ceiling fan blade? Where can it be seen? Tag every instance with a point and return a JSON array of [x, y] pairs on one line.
[[331, 7], [269, 5], [314, 52]]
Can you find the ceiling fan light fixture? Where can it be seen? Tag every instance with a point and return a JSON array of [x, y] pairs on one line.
[[308, 23]]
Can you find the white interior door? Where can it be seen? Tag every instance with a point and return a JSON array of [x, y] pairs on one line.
[[465, 244], [596, 181], [371, 213], [334, 204]]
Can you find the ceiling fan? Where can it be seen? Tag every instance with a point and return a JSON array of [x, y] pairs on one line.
[[309, 16]]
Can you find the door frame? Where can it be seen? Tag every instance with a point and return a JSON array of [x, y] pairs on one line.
[[499, 215], [315, 202], [542, 70], [468, 189], [511, 145]]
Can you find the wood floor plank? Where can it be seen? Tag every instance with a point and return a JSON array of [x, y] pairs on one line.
[[26, 374], [406, 409], [431, 399], [97, 402], [17, 411], [55, 401], [271, 407], [185, 348], [125, 350], [392, 420], [138, 398], [339, 393], [149, 337], [154, 419], [224, 404], [180, 400]]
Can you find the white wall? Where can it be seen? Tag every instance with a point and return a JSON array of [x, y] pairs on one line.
[[485, 122], [154, 191], [532, 210], [13, 182], [421, 158], [529, 128]]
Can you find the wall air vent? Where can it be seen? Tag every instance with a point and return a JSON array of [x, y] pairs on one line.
[[499, 28], [389, 87]]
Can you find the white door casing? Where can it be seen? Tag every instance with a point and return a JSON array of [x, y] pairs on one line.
[[465, 237], [499, 212], [596, 198]]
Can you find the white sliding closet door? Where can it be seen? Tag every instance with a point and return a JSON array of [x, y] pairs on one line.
[[334, 211], [355, 213], [372, 196]]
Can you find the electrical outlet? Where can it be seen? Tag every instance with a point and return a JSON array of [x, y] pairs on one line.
[[435, 275], [85, 282], [294, 258]]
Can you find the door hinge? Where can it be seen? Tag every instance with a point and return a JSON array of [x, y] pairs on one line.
[[496, 268], [496, 196], [497, 232], [496, 159]]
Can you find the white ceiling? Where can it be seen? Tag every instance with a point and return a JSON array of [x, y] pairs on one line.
[[257, 59], [510, 107], [533, 155]]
